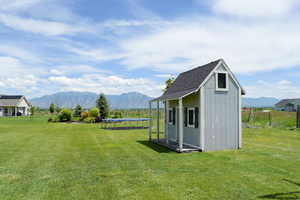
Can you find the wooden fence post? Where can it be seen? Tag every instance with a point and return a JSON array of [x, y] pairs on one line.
[[298, 117]]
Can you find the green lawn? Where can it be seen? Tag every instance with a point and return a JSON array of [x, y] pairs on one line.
[[40, 160]]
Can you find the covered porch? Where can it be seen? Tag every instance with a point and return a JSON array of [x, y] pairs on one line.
[[158, 126], [9, 111]]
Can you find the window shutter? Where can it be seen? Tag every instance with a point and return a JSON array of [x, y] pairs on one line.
[[174, 115], [185, 117], [196, 117]]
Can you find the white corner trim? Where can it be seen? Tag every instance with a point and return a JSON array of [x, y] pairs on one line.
[[202, 119], [180, 121], [240, 118]]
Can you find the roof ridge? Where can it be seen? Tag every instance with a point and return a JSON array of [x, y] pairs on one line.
[[205, 65]]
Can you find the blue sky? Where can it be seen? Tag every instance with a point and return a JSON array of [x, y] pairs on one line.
[[117, 46]]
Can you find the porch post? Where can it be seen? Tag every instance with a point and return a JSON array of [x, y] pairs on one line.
[[15, 111], [180, 121], [167, 121], [150, 121], [158, 120]]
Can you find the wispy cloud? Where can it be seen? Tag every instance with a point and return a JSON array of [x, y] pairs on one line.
[[255, 8], [280, 89], [48, 28], [107, 84]]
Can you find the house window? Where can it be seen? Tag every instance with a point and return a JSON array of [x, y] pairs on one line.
[[221, 81], [170, 116], [191, 117]]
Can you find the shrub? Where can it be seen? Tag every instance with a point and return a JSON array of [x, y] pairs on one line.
[[94, 112], [65, 115], [50, 120], [117, 115], [98, 119], [89, 120], [83, 115]]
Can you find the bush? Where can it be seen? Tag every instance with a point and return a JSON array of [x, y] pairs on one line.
[[83, 115], [65, 115], [94, 112], [117, 115], [98, 119], [89, 120]]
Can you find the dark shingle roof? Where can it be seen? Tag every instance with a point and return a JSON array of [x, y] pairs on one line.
[[11, 96], [284, 102], [189, 81]]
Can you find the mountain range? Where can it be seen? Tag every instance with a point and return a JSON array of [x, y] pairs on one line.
[[124, 101]]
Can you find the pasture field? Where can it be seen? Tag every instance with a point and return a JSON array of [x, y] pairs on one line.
[[40, 160]]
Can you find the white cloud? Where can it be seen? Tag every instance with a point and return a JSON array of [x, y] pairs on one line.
[[107, 84], [165, 76], [256, 46], [76, 69], [16, 4], [97, 53], [255, 8], [280, 89], [48, 28], [18, 52]]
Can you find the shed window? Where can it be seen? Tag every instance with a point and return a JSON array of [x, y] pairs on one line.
[[191, 117], [221, 81], [170, 116]]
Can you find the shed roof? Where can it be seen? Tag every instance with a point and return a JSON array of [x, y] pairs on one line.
[[189, 81], [284, 102]]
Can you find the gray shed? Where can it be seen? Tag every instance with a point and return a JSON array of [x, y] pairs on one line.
[[203, 110]]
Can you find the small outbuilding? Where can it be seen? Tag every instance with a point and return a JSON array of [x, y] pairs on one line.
[[14, 105], [202, 110], [288, 105]]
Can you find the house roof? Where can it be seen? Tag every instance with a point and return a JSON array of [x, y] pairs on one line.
[[190, 81], [11, 100], [284, 102]]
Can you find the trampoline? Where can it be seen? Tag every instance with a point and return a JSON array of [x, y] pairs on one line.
[[125, 123]]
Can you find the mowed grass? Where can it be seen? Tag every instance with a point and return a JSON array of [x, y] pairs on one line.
[[40, 160]]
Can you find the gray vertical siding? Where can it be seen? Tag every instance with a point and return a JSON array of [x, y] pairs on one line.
[[221, 116]]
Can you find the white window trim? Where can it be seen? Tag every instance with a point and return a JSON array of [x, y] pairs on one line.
[[170, 119], [217, 85], [188, 116]]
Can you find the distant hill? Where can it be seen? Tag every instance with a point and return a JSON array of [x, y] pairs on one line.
[[259, 102], [125, 101], [88, 100]]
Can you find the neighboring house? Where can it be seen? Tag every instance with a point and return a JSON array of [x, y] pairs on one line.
[[14, 106], [289, 105], [203, 110]]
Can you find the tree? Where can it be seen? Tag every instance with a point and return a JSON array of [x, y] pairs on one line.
[[102, 105], [52, 108], [32, 110], [168, 83], [57, 109], [78, 110]]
